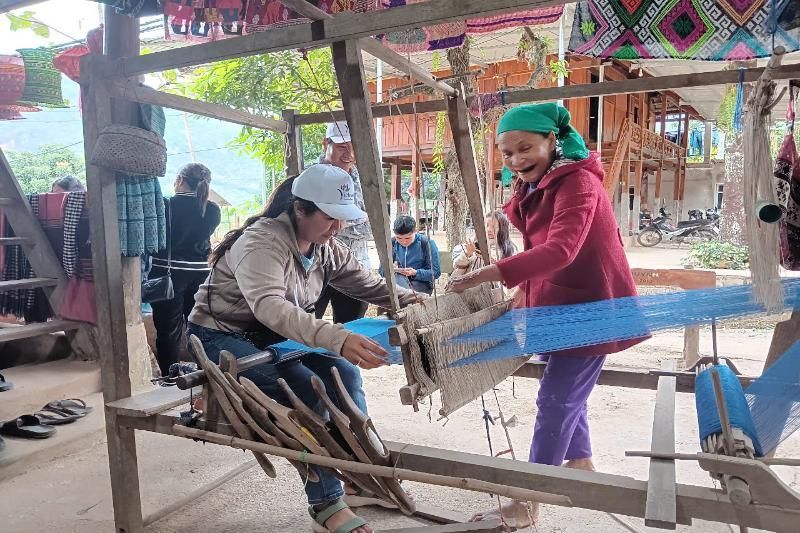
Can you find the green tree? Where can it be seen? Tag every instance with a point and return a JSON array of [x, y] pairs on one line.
[[266, 85], [36, 171]]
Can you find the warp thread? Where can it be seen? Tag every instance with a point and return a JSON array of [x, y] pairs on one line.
[[541, 330]]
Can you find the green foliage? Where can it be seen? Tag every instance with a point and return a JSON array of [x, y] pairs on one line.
[[717, 254], [265, 85], [36, 171], [559, 68], [25, 21], [726, 110]]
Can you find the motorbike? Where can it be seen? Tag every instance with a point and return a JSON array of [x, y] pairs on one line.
[[687, 231]]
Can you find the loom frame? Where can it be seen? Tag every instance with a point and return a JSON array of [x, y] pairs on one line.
[[109, 84]]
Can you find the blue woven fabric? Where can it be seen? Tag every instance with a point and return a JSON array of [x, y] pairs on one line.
[[376, 329]]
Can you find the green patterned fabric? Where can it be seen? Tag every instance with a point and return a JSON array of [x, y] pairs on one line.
[[42, 80], [546, 118]]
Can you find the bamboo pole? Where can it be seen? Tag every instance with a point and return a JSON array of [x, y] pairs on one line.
[[375, 470]]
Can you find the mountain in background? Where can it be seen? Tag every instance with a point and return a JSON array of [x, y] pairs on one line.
[[236, 177]]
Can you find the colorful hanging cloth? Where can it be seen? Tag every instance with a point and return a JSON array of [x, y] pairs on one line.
[[12, 79], [711, 30], [262, 15], [453, 34], [42, 80], [68, 61], [787, 184]]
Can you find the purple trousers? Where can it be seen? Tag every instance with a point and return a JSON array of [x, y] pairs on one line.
[[562, 425]]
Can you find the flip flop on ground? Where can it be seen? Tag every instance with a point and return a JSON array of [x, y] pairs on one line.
[[27, 427], [53, 417], [70, 406]]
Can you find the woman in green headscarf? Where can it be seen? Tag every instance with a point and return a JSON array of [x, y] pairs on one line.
[[573, 254]]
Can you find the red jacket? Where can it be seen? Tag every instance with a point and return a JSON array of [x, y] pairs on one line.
[[573, 248]]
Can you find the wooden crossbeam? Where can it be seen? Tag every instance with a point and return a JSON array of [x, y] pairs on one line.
[[607, 492], [606, 88], [376, 49], [342, 27], [137, 92]]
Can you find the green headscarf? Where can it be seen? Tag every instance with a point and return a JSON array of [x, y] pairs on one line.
[[546, 118]]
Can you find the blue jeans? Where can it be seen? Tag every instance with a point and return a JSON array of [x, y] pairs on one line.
[[298, 375]]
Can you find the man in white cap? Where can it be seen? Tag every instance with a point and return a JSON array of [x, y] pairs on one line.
[[339, 152]]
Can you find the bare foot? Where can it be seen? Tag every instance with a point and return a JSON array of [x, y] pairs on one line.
[[342, 517], [581, 464], [516, 514]]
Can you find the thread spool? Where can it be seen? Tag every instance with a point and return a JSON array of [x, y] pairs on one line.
[[738, 411], [768, 212]]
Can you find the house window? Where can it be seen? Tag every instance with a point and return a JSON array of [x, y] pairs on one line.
[[720, 195]]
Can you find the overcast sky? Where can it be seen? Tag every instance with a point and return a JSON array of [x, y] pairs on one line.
[[72, 17]]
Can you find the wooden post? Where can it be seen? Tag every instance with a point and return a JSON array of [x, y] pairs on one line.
[[661, 149], [660, 507], [707, 142], [294, 143], [457, 113], [355, 98], [111, 320], [491, 151]]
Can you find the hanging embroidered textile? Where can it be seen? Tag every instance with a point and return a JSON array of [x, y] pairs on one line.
[[787, 184], [453, 34], [42, 80], [263, 15], [710, 30]]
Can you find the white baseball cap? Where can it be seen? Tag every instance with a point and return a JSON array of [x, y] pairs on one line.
[[338, 132], [331, 188]]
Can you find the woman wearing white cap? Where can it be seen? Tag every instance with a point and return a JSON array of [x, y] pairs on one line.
[[264, 282]]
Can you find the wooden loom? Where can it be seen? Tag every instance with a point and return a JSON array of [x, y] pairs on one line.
[[661, 501]]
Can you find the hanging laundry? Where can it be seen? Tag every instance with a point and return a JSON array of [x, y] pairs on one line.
[[79, 296], [142, 225], [695, 142], [711, 30]]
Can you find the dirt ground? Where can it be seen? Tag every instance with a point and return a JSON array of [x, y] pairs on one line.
[[72, 494]]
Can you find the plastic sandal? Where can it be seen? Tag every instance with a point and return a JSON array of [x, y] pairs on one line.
[[70, 406], [5, 385], [27, 427], [52, 417], [323, 516]]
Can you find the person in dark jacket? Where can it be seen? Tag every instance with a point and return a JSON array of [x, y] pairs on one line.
[[191, 220], [416, 257]]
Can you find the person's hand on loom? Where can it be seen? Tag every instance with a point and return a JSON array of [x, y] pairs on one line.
[[407, 272], [364, 352], [472, 279]]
